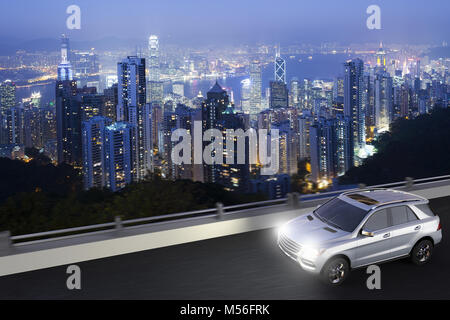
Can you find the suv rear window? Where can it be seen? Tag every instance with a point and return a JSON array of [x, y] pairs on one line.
[[426, 209]]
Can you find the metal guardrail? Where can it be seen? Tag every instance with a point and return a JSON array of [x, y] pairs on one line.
[[294, 200]]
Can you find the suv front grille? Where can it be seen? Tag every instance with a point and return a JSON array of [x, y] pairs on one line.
[[290, 247]]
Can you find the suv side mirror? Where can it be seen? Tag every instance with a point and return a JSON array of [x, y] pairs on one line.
[[367, 233]]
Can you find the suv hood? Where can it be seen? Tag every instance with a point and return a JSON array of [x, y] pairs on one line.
[[311, 232]]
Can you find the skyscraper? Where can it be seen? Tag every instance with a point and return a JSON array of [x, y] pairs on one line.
[[93, 141], [246, 96], [288, 143], [381, 57], [65, 68], [132, 108], [213, 108], [331, 148], [155, 86], [354, 103], [295, 93], [304, 123], [7, 94], [280, 68], [256, 87], [342, 144], [7, 101], [383, 102], [68, 123], [120, 163], [321, 151], [279, 96], [68, 112], [153, 47]]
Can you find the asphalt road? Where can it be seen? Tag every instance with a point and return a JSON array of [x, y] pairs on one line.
[[246, 266]]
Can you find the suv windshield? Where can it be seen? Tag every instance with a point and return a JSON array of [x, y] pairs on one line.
[[340, 214]]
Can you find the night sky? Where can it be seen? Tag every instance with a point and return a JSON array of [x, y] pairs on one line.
[[230, 21]]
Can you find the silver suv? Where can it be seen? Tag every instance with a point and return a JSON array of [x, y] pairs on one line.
[[361, 228]]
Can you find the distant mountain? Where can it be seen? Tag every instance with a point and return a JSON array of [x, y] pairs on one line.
[[439, 52], [9, 46]]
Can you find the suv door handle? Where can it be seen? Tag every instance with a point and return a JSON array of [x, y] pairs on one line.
[[387, 235], [417, 228]]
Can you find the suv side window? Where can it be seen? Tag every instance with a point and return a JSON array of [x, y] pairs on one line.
[[401, 215], [411, 215], [378, 220]]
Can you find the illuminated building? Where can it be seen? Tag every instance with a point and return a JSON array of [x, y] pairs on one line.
[[256, 87], [331, 147], [288, 143], [280, 68], [155, 86], [7, 101], [86, 69], [153, 47], [155, 92], [7, 95], [111, 100], [93, 141], [305, 121], [132, 108], [213, 107], [278, 95], [246, 95], [65, 72], [354, 107], [381, 57], [295, 93], [15, 125], [120, 161], [383, 102]]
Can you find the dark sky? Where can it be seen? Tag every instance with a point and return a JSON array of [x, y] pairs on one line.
[[230, 21]]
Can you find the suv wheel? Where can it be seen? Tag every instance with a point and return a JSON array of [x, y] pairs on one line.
[[335, 271], [422, 251]]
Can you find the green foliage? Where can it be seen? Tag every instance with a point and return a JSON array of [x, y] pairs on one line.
[[417, 148]]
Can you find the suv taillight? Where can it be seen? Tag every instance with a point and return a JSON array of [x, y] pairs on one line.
[[439, 227]]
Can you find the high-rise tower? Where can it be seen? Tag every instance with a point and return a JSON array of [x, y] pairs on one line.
[[153, 47], [65, 68], [354, 106], [256, 87], [280, 68], [132, 108], [68, 111]]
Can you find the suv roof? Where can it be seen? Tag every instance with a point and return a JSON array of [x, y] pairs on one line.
[[378, 197]]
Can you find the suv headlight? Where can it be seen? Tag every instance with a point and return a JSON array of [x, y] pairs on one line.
[[310, 253]]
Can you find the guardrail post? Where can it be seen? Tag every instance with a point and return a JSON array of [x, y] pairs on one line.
[[220, 210], [5, 243], [119, 224], [293, 200], [409, 183]]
